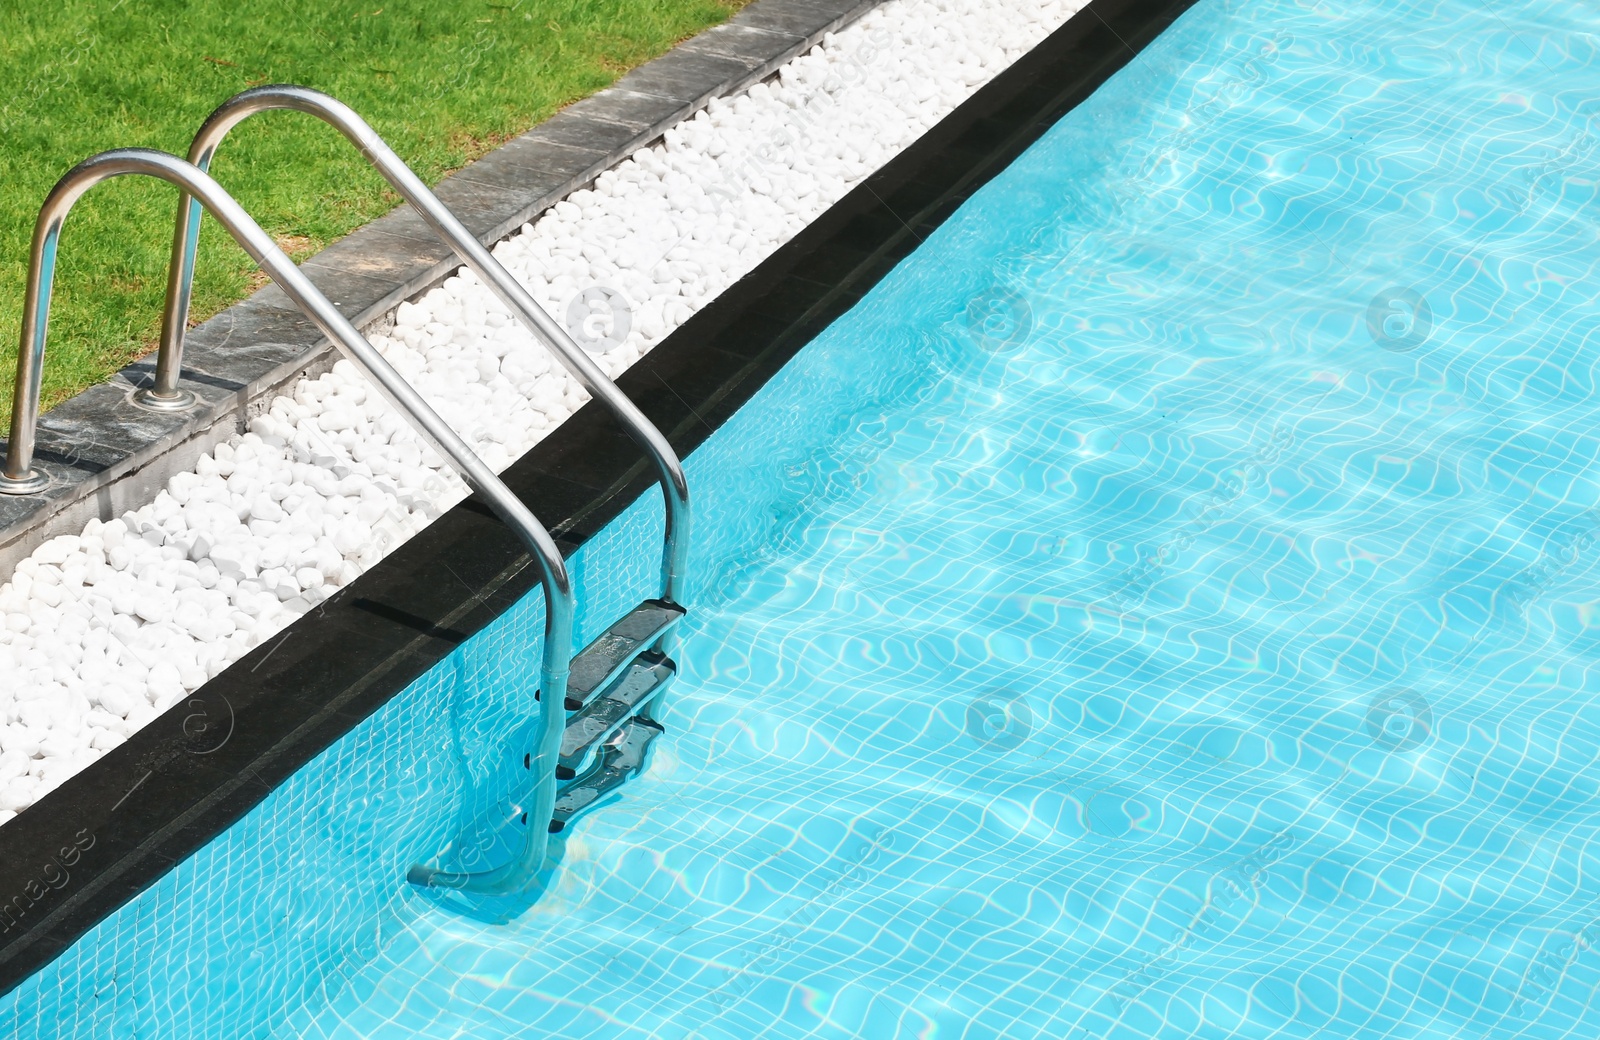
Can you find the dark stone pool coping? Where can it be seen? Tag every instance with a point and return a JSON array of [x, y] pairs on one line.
[[105, 456], [116, 828]]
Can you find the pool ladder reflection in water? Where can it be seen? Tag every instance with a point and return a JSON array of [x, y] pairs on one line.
[[613, 688]]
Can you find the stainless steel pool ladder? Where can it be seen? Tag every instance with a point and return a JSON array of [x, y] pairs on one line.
[[616, 685], [19, 477], [617, 688]]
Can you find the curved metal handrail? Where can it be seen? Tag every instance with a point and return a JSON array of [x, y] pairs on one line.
[[19, 477], [165, 394]]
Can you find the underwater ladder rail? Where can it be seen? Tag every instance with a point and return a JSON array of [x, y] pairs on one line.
[[613, 688]]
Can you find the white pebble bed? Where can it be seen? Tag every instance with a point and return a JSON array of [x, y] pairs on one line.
[[101, 632]]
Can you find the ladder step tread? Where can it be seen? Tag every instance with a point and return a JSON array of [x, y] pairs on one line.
[[621, 759], [645, 675], [597, 667]]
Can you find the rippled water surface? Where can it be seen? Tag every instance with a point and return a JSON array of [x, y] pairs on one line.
[[1193, 632]]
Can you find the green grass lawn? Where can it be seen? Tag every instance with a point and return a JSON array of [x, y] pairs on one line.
[[443, 82]]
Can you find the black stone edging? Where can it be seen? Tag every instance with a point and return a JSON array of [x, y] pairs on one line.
[[129, 818], [105, 456]]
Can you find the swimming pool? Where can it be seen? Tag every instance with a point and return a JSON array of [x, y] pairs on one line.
[[1193, 642], [1162, 608]]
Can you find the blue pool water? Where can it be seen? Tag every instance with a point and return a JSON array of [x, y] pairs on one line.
[[1167, 607], [1198, 641]]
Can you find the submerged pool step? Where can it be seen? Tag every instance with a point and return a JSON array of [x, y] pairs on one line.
[[589, 728], [607, 739], [620, 760], [604, 659]]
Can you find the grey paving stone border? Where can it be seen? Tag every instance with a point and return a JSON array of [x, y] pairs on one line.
[[105, 456]]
